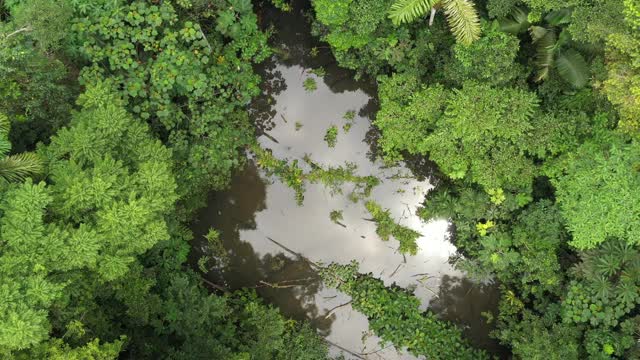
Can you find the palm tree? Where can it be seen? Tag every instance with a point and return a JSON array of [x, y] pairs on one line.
[[553, 46], [462, 16], [15, 168]]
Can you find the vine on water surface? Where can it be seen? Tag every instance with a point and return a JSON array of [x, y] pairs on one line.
[[395, 316]]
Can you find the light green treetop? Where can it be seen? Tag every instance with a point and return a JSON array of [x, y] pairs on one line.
[[110, 187], [599, 193]]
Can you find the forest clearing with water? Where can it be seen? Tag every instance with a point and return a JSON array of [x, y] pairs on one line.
[[320, 179]]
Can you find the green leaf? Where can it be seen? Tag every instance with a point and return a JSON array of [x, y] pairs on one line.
[[516, 23], [573, 68], [558, 17], [404, 11], [16, 168], [546, 41], [463, 20]]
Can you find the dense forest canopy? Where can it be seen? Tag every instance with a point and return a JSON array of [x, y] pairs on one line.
[[117, 117]]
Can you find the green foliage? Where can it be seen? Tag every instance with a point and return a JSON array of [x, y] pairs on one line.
[[349, 115], [110, 188], [570, 64], [526, 255], [463, 20], [283, 5], [157, 58], [362, 36], [395, 316], [515, 21], [490, 59], [46, 21], [588, 21], [310, 84], [598, 193], [336, 216], [494, 136], [15, 168], [56, 349], [319, 72], [193, 324], [461, 15], [331, 136], [216, 252], [605, 288], [532, 338], [404, 11], [335, 177], [332, 177], [331, 12], [92, 258], [386, 227], [291, 174], [34, 92], [408, 113], [622, 86], [477, 132], [573, 68], [501, 8]]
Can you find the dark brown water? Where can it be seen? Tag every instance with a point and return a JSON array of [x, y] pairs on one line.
[[257, 208]]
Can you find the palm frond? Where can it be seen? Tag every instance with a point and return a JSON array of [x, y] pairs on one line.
[[559, 17], [515, 23], [404, 11], [463, 20], [538, 32], [4, 123], [573, 68], [16, 168], [5, 146], [545, 52]]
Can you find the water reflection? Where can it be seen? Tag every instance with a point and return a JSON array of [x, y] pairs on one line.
[[464, 302], [256, 208], [262, 109], [271, 274]]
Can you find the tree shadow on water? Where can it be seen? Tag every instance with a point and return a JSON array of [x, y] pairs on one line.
[[262, 110], [285, 282], [462, 302]]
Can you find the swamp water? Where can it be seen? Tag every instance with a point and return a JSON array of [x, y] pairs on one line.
[[259, 212]]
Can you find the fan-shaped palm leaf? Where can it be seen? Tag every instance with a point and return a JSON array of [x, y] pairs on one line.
[[602, 287], [463, 20], [16, 168], [404, 11], [573, 68], [627, 293]]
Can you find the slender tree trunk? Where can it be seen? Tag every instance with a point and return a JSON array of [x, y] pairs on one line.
[[433, 15], [26, 28]]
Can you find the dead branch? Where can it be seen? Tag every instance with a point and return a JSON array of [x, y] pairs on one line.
[[277, 285], [26, 28], [344, 349], [396, 270], [215, 286], [330, 312]]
